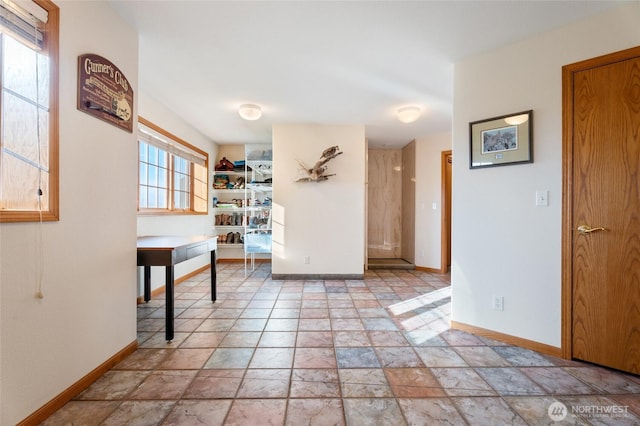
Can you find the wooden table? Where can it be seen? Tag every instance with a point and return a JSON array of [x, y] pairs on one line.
[[168, 251]]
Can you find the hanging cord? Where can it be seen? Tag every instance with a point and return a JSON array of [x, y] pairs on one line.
[[39, 245]]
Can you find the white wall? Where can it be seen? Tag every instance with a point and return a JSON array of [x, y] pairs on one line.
[[322, 220], [88, 313], [429, 191], [161, 116], [502, 243]]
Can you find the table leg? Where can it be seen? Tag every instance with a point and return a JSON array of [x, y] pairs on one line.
[[214, 278], [147, 283], [169, 303]]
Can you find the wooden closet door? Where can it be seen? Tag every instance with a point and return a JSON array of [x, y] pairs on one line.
[[606, 215]]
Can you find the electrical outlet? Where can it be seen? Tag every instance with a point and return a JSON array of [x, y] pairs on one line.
[[307, 260], [498, 303]]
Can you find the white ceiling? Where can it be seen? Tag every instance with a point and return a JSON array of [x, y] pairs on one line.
[[327, 62]]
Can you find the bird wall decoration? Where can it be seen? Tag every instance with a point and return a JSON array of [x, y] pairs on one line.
[[317, 172]]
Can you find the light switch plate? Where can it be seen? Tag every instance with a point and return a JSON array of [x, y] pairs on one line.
[[542, 198]]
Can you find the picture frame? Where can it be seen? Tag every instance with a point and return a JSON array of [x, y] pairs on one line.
[[501, 141]]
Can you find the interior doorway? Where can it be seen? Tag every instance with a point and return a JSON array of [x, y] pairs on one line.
[[391, 208], [601, 229], [446, 168]]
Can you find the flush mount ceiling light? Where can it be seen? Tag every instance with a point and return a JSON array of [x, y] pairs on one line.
[[516, 119], [408, 114], [250, 112]]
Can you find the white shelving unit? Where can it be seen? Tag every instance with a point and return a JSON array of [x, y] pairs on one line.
[[259, 186], [230, 193], [243, 205]]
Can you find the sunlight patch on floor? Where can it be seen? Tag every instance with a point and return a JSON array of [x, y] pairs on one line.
[[420, 301]]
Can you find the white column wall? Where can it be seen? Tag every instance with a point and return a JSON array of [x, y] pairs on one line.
[[429, 191], [324, 221]]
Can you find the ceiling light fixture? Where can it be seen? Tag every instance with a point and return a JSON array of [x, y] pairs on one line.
[[250, 112], [408, 114]]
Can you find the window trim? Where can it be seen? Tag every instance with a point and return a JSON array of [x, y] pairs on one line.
[[170, 211], [52, 47]]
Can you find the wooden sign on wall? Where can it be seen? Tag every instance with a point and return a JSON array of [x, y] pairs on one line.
[[104, 92]]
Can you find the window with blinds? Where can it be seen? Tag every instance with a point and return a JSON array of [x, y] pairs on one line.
[[29, 110], [172, 176]]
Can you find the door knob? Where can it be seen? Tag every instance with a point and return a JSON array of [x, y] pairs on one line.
[[586, 229]]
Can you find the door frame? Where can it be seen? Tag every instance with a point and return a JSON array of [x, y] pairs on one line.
[[366, 205], [445, 236], [568, 72]]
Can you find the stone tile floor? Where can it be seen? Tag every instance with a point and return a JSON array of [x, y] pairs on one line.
[[377, 351]]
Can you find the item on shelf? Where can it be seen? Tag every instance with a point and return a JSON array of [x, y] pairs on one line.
[[224, 165], [233, 238], [260, 167], [239, 184], [257, 155], [235, 219], [258, 242], [226, 205], [265, 181], [220, 182]]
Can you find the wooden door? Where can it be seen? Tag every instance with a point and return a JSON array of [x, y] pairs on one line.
[[447, 163], [408, 250], [605, 211]]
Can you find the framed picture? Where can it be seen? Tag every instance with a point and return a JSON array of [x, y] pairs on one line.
[[501, 141], [104, 92]]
